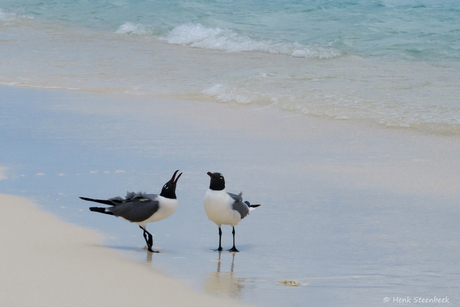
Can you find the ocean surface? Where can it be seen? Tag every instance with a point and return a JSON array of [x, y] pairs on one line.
[[390, 63]]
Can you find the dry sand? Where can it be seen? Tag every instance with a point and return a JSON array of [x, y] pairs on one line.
[[47, 262]]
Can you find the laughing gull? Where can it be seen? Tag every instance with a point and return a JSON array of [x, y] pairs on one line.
[[224, 208], [141, 208]]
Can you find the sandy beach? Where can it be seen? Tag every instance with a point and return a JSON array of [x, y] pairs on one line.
[[46, 262], [351, 212]]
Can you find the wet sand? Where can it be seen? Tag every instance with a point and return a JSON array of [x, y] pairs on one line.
[[351, 212]]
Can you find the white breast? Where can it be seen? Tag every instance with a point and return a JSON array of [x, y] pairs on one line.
[[218, 207], [167, 207]]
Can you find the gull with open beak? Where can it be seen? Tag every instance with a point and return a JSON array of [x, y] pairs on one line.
[[142, 208]]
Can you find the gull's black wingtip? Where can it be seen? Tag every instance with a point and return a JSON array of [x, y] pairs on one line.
[[101, 201]]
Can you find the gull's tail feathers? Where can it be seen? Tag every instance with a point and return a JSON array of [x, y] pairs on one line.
[[251, 207], [101, 210]]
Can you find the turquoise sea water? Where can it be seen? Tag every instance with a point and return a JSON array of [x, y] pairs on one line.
[[391, 63], [413, 30]]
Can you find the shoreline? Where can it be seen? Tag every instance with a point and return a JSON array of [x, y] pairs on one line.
[[372, 165], [47, 262], [417, 129], [358, 194]]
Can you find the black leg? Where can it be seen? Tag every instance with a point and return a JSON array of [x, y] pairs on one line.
[[233, 249], [149, 240], [220, 240], [145, 235]]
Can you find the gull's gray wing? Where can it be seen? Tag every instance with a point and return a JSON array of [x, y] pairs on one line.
[[236, 197], [239, 205], [137, 209]]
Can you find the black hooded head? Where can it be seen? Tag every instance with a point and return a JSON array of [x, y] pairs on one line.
[[169, 189], [217, 181]]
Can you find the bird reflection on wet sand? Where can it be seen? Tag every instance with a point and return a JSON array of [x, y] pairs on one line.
[[224, 283]]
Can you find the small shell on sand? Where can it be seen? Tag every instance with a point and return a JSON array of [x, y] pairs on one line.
[[289, 283]]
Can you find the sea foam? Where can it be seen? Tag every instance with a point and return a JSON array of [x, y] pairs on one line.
[[5, 16], [8, 18], [199, 36], [133, 28]]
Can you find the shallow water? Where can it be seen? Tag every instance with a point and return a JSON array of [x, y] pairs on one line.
[[382, 62], [344, 242]]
